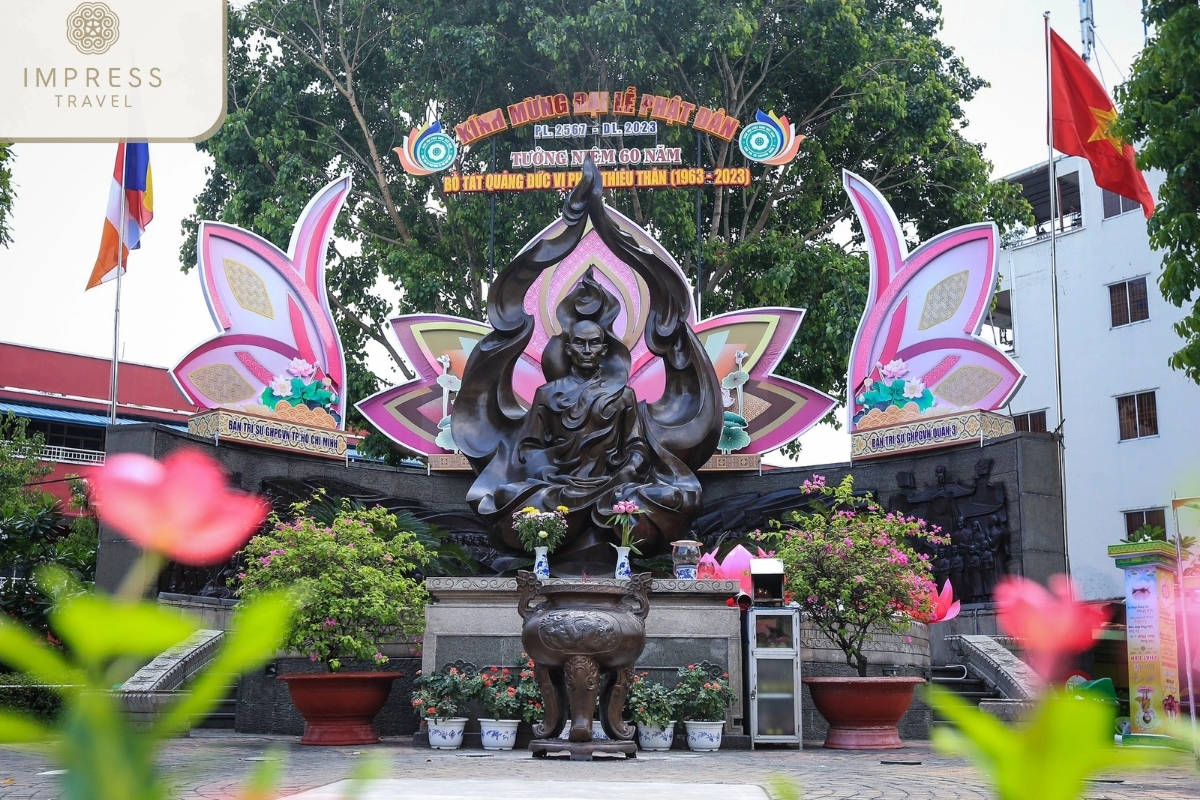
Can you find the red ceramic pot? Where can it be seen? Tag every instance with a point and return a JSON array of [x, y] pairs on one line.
[[862, 712], [339, 707]]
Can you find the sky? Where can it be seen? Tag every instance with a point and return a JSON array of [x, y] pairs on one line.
[[62, 192]]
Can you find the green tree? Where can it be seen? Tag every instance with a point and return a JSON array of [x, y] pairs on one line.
[[1160, 106], [7, 192], [325, 88]]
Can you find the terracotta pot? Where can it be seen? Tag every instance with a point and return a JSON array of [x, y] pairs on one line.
[[339, 707], [862, 712]]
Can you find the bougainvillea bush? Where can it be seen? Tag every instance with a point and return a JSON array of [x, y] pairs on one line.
[[354, 578], [853, 567]]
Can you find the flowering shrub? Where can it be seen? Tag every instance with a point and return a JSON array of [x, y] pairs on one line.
[[649, 703], [440, 696], [354, 579], [537, 528], [528, 692], [700, 697], [851, 566], [496, 689]]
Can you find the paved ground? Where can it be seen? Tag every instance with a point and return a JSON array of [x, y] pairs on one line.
[[214, 765]]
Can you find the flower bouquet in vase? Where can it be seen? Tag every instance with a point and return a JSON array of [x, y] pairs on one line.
[[540, 532], [624, 516]]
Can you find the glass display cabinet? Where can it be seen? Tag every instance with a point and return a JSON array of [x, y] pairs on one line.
[[774, 661]]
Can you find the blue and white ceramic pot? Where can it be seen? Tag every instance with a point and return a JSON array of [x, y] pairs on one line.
[[704, 736], [624, 571], [656, 737], [446, 734], [498, 734], [541, 562]]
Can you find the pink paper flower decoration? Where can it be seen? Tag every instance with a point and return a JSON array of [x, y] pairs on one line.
[[736, 567], [181, 507]]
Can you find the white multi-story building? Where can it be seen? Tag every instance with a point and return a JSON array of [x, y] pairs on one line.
[[1132, 424]]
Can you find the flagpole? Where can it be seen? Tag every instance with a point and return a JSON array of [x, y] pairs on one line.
[[1182, 602], [116, 357], [1052, 173]]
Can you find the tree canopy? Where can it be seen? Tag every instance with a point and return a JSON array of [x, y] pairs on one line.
[[1160, 109], [322, 88], [7, 193]]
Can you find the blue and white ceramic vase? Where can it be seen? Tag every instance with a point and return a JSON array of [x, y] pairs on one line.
[[498, 734], [703, 736], [541, 562], [446, 734], [624, 571], [656, 737]]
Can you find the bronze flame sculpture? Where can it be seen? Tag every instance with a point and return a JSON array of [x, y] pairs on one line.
[[587, 441]]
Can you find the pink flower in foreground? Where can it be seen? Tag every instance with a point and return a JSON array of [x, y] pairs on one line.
[[180, 507], [1052, 626]]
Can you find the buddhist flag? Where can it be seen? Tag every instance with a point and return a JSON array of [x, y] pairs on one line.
[[138, 203], [1083, 114]]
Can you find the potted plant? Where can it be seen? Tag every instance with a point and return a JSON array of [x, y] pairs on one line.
[[356, 587], [496, 690], [853, 570], [624, 516], [437, 701], [540, 532], [651, 706], [703, 700]]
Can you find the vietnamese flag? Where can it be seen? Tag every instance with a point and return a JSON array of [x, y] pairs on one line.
[[1083, 113]]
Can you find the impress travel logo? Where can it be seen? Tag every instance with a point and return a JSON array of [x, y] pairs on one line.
[[120, 70]]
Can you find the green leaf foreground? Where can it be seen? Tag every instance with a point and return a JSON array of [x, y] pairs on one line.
[[105, 757], [1050, 756]]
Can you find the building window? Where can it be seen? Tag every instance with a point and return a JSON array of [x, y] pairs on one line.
[[1128, 302], [76, 437], [1031, 422], [1137, 415], [1136, 520], [1115, 205]]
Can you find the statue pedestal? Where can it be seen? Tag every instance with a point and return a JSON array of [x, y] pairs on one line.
[[1150, 636], [581, 751], [473, 623]]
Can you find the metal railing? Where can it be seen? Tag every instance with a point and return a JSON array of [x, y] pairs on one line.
[[70, 455], [1065, 224]]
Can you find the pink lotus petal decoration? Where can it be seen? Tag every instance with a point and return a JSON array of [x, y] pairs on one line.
[[922, 320], [945, 607], [736, 567]]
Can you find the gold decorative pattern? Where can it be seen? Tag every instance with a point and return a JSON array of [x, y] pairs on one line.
[[930, 432], [894, 415], [753, 406], [943, 300], [317, 417], [269, 432], [248, 289], [221, 383], [734, 462], [967, 385]]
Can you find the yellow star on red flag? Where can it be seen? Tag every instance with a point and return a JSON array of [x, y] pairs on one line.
[[1104, 123]]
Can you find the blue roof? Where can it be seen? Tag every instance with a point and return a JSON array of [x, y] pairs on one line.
[[73, 417]]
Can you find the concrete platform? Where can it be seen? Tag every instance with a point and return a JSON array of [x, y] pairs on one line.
[[527, 790]]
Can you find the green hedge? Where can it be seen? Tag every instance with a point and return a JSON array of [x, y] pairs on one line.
[[24, 694]]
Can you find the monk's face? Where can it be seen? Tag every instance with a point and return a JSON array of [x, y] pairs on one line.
[[586, 346]]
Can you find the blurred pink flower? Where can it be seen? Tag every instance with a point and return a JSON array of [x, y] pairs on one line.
[[1052, 627], [180, 507]]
